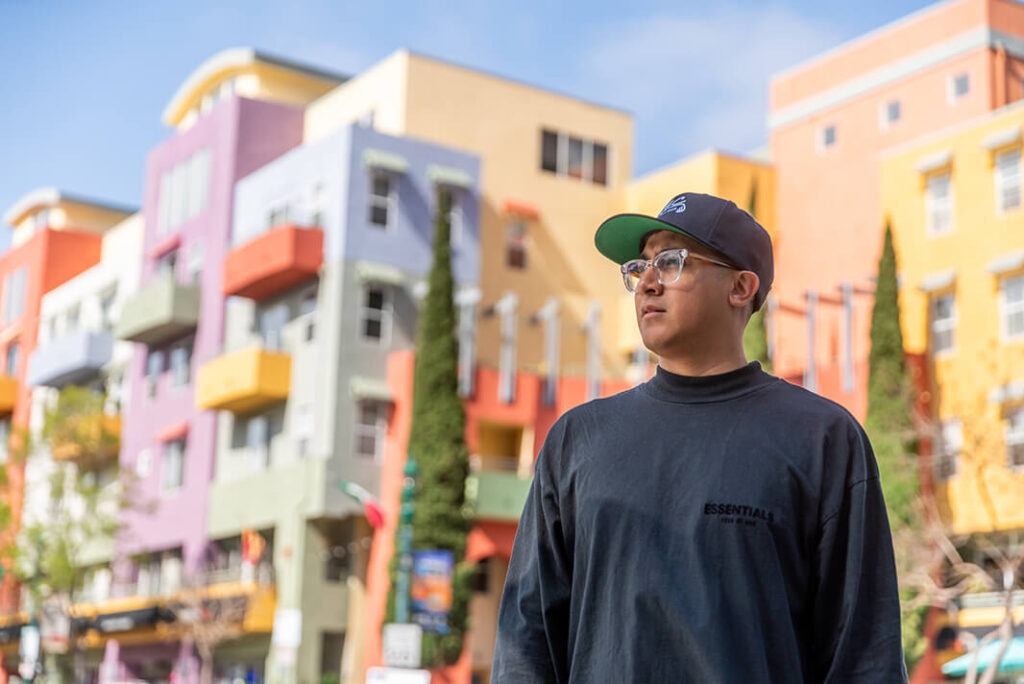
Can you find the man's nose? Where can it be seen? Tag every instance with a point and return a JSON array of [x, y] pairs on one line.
[[649, 280]]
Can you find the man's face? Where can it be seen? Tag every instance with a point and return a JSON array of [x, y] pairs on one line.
[[684, 318]]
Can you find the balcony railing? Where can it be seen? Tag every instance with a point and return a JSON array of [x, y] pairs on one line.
[[494, 489], [244, 381], [161, 311], [8, 394], [72, 359], [275, 261]]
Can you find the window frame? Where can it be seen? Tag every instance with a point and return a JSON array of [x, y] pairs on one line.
[[943, 326], [1005, 180], [1007, 309], [175, 465], [384, 315], [377, 431], [1013, 436], [937, 207], [387, 203], [947, 459]]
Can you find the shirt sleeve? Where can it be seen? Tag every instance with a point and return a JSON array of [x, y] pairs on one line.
[[533, 620], [856, 622]]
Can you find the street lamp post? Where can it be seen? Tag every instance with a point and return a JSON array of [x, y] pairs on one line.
[[404, 578]]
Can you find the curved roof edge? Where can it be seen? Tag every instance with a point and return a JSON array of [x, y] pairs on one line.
[[233, 59], [51, 197]]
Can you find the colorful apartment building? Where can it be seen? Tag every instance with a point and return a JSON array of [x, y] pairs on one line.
[[552, 168], [56, 237], [955, 201], [504, 438], [235, 113], [830, 119], [330, 249]]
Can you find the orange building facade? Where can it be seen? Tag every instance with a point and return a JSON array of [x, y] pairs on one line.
[[830, 120]]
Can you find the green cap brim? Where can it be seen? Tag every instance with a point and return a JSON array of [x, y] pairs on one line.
[[618, 238]]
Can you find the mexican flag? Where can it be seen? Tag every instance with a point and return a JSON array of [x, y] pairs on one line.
[[371, 506]]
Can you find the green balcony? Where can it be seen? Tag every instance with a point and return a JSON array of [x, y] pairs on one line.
[[161, 311], [496, 495]]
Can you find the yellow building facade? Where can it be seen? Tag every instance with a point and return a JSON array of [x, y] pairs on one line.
[[956, 206]]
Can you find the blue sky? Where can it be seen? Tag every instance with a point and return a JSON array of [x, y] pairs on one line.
[[84, 83]]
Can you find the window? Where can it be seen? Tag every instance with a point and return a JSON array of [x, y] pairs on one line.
[[515, 245], [257, 434], [271, 320], [376, 315], [827, 137], [181, 363], [12, 358], [174, 465], [1011, 293], [382, 199], [107, 299], [184, 191], [303, 429], [166, 264], [939, 204], [73, 319], [5, 439], [574, 157], [14, 295], [1008, 179], [154, 369], [454, 200], [1015, 439], [195, 263], [947, 451], [371, 422], [958, 87], [890, 113], [943, 323]]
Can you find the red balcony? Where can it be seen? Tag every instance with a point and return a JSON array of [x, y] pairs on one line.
[[275, 261]]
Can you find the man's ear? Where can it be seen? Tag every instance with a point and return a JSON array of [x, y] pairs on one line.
[[744, 288]]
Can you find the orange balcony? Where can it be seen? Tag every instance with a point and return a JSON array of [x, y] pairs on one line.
[[87, 440], [244, 380], [8, 394], [274, 261]]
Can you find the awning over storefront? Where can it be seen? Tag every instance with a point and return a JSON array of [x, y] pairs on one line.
[[1013, 659], [125, 621]]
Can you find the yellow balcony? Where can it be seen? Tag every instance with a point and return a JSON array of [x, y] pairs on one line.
[[244, 381], [87, 440], [8, 394]]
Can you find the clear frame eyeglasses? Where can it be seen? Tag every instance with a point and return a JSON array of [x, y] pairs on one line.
[[668, 266]]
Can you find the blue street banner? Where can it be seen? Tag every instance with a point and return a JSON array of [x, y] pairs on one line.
[[432, 573]]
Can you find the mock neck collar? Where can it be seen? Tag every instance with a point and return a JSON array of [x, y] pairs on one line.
[[703, 389]]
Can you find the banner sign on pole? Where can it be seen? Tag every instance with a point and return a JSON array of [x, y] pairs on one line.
[[432, 573]]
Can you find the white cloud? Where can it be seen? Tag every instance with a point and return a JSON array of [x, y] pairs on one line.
[[699, 80]]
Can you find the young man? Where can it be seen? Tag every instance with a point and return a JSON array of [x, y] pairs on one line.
[[714, 524]]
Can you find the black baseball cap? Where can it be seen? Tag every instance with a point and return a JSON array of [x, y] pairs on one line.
[[716, 223]]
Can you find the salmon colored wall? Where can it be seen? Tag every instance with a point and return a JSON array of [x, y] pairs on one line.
[[50, 259], [486, 539], [878, 49], [829, 213]]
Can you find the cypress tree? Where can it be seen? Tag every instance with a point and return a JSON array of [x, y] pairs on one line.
[[890, 426], [437, 442], [755, 335], [890, 396]]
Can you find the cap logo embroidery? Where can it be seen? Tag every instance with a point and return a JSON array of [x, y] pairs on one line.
[[678, 205]]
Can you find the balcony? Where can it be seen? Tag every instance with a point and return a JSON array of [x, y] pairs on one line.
[[70, 360], [8, 394], [273, 262], [244, 381], [87, 440], [161, 311], [496, 495]]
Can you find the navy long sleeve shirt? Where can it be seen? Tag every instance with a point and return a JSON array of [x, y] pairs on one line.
[[703, 529]]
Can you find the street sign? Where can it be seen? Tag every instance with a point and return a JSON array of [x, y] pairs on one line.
[[392, 675], [402, 644]]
